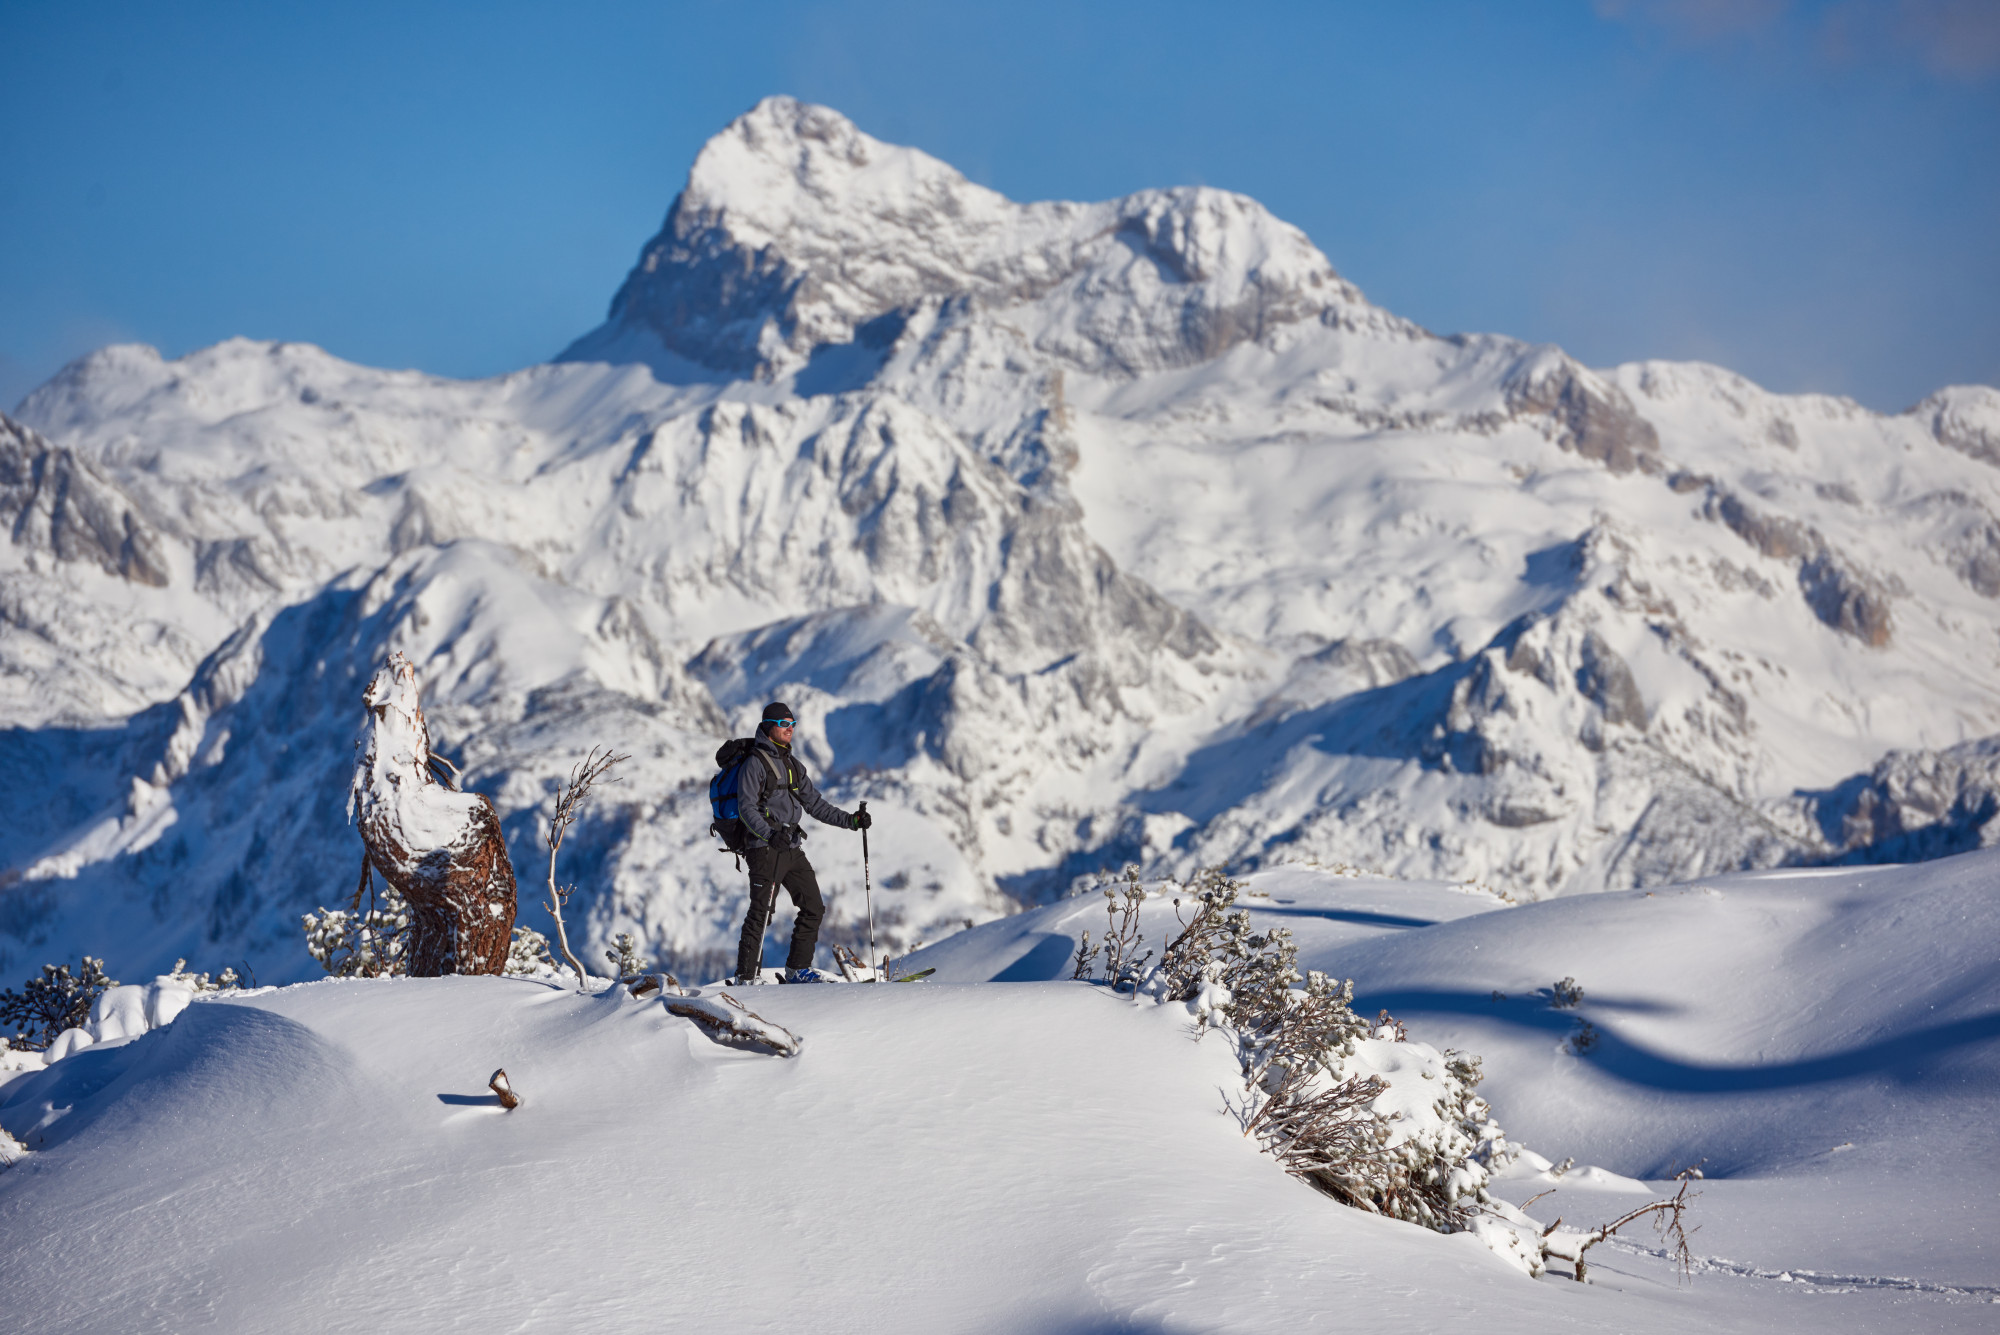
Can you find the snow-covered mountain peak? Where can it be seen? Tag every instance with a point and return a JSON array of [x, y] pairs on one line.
[[1076, 534], [798, 232], [1966, 418], [787, 169]]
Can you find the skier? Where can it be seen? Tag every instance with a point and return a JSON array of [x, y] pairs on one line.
[[774, 793]]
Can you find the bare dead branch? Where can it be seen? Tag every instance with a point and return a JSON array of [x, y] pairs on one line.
[[729, 1022], [850, 963], [570, 798], [1669, 1218], [1123, 963], [1086, 955]]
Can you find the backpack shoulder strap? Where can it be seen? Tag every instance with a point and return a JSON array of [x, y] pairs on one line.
[[771, 764]]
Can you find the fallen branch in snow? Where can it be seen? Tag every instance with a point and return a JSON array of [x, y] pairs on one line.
[[851, 965], [730, 1023], [1669, 1222], [569, 803], [664, 983], [499, 1085]]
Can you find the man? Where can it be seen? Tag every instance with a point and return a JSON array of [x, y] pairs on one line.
[[774, 793]]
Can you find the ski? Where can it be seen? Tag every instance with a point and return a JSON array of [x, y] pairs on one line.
[[913, 977]]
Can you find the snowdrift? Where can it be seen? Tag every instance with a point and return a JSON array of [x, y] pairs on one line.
[[1047, 1156]]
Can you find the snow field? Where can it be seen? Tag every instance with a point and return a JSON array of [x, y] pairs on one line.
[[326, 1158], [1825, 1042], [971, 1156]]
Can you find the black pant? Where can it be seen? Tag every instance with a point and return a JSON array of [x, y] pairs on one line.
[[769, 869]]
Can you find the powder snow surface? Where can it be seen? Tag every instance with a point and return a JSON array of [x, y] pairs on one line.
[[1045, 1156]]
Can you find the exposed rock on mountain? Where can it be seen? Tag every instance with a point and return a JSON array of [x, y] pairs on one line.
[[1586, 415], [1846, 599], [1076, 533], [52, 500], [1965, 418]]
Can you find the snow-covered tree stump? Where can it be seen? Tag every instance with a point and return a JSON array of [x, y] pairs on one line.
[[439, 847]]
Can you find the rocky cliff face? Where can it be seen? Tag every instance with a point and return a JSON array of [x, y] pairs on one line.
[[1076, 533]]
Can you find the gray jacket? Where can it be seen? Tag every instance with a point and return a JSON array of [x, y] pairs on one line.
[[762, 801]]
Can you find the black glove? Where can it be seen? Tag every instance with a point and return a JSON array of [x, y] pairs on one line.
[[862, 820]]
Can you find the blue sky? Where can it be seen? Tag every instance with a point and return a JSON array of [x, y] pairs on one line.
[[1806, 192]]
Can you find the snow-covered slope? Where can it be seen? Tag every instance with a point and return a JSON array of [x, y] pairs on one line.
[[1045, 1155], [1075, 533], [937, 1159], [1825, 1042]]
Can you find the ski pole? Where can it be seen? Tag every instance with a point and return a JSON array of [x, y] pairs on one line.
[[868, 895]]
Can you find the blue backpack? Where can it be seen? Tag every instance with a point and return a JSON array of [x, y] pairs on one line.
[[723, 788]]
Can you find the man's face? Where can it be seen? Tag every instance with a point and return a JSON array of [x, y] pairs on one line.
[[781, 731]]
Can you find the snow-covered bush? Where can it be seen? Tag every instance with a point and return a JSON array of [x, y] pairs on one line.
[[57, 1001], [350, 943], [1354, 1107], [626, 961], [226, 981], [114, 1012], [528, 955], [1124, 962]]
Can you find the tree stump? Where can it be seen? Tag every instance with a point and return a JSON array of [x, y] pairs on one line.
[[441, 848]]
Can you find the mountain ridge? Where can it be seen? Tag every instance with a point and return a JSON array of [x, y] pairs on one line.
[[1076, 533]]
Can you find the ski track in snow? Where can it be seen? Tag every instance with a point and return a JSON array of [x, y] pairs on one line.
[[1812, 1279]]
